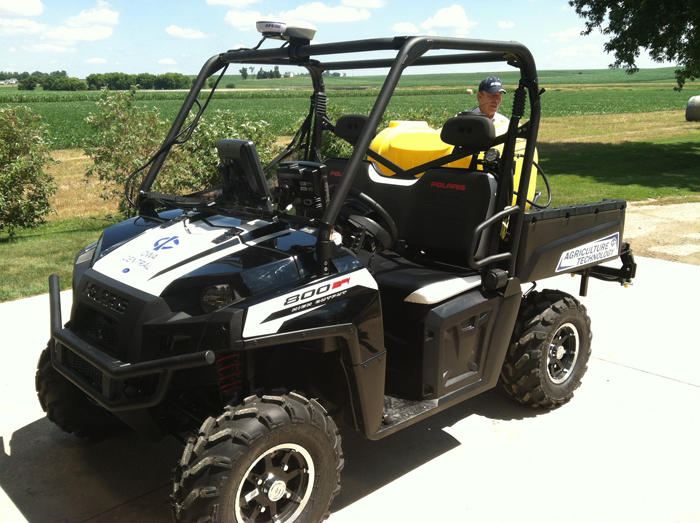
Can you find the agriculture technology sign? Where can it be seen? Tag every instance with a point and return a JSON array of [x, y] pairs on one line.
[[593, 252]]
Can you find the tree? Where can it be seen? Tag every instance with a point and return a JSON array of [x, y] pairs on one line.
[[668, 29], [58, 74], [95, 81], [146, 81], [244, 73], [25, 187], [28, 84], [68, 83]]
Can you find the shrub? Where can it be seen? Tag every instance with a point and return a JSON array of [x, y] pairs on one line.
[[25, 188], [63, 83], [130, 135], [28, 84]]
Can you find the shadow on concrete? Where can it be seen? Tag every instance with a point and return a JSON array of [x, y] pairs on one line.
[[53, 476], [370, 465]]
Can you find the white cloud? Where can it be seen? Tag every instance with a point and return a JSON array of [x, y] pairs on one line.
[[96, 61], [245, 20], [506, 25], [320, 12], [167, 61], [405, 28], [369, 4], [100, 15], [21, 8], [181, 32], [19, 26], [452, 17], [587, 56], [74, 34], [47, 48], [567, 35], [238, 4]]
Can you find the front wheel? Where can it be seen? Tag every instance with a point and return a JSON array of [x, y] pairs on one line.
[[549, 351], [69, 407], [272, 459]]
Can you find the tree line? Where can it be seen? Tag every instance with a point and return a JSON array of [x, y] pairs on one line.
[[60, 81], [123, 81], [6, 75], [262, 74]]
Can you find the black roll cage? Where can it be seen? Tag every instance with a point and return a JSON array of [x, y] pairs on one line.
[[410, 51]]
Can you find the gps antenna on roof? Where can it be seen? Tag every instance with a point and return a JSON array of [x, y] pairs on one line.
[[284, 31]]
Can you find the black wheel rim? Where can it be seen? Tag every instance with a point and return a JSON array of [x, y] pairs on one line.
[[277, 486], [563, 353]]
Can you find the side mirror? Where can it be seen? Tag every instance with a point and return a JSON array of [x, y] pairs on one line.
[[474, 131]]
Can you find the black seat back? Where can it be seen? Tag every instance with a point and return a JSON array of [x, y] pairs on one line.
[[435, 214], [447, 205]]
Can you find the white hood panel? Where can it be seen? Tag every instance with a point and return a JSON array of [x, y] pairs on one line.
[[157, 257]]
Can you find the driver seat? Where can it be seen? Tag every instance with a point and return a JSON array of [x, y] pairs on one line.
[[446, 207]]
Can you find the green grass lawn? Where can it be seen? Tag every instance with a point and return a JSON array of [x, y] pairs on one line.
[[27, 261], [629, 170]]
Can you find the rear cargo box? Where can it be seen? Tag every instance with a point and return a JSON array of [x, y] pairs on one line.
[[567, 239]]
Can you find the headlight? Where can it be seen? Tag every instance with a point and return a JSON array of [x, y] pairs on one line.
[[216, 296]]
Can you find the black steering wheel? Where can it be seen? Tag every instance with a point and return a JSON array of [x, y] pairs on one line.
[[363, 211]]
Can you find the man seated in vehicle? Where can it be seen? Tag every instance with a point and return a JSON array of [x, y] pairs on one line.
[[490, 96]]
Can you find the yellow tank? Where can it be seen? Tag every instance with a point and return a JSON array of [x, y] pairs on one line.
[[409, 144]]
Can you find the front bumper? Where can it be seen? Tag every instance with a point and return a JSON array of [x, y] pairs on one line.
[[104, 378]]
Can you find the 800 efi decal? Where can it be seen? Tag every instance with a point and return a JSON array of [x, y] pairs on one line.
[[593, 252], [267, 317]]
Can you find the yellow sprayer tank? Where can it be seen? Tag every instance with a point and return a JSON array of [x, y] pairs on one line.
[[409, 144]]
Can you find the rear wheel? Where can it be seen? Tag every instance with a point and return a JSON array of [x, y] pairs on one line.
[[271, 459], [69, 407], [549, 351]]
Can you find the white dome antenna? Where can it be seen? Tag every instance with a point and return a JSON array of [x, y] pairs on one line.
[[284, 31]]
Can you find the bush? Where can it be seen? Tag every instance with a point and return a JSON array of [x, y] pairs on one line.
[[25, 188], [28, 84], [130, 135], [63, 83]]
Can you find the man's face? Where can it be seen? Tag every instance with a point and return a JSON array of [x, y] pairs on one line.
[[489, 103]]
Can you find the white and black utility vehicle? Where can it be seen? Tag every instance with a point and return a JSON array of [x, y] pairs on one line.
[[260, 315]]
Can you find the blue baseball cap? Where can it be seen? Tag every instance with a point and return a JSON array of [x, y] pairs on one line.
[[491, 85]]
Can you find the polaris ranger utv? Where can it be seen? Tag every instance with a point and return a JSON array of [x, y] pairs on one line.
[[261, 316]]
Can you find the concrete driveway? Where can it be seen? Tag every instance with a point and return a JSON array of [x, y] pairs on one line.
[[624, 450]]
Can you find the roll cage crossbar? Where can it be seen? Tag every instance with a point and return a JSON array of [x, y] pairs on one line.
[[409, 52]]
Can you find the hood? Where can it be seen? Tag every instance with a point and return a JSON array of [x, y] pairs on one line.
[[155, 258]]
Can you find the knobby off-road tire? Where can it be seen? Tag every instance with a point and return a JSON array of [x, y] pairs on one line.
[[68, 407], [549, 350], [271, 459]]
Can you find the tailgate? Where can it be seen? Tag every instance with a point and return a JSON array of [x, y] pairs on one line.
[[567, 239]]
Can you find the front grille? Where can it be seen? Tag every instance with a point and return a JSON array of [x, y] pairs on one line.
[[85, 369], [103, 331]]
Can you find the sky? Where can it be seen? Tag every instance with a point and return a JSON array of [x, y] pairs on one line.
[[159, 36]]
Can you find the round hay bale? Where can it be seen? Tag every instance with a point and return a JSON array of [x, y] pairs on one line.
[[692, 111], [470, 91]]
